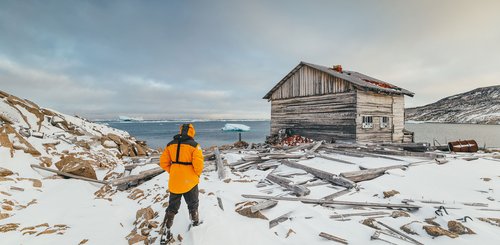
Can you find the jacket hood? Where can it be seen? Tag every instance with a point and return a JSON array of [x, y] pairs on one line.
[[191, 132]]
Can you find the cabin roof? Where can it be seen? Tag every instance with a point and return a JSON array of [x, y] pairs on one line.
[[356, 78]]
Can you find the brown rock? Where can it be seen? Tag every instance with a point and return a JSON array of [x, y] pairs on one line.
[[370, 222], [145, 213], [9, 227], [493, 221], [45, 162], [117, 139], [388, 194], [7, 207], [4, 216], [5, 172], [241, 144], [138, 238], [438, 231], [36, 182], [140, 150], [399, 213], [459, 228], [76, 166], [180, 238], [83, 241], [244, 209], [290, 232], [48, 231], [431, 221]]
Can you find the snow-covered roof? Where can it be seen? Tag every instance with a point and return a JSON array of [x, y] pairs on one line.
[[358, 79]]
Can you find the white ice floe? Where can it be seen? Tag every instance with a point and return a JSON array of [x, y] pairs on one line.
[[236, 127]]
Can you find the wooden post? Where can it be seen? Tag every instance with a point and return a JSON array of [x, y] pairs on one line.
[[220, 165], [280, 219], [69, 175], [138, 177]]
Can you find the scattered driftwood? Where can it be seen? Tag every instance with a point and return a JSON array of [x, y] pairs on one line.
[[400, 233], [369, 174], [132, 180], [220, 165], [280, 219], [286, 156], [341, 216], [348, 203], [333, 238], [298, 190], [341, 181], [69, 175], [263, 205]]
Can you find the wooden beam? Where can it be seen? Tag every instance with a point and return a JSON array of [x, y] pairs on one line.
[[348, 203], [315, 147], [336, 194], [220, 165], [300, 147], [369, 174], [298, 190], [333, 178], [147, 174], [69, 175], [333, 238], [340, 216]]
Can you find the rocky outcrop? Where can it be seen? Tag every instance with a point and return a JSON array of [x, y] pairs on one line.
[[76, 166], [480, 106]]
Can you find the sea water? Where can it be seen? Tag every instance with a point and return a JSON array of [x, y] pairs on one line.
[[208, 133]]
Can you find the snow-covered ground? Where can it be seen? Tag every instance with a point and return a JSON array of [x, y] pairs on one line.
[[72, 203]]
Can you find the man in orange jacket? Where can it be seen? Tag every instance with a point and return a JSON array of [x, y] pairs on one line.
[[183, 160]]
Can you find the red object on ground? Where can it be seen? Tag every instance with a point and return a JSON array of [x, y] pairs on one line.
[[295, 140]]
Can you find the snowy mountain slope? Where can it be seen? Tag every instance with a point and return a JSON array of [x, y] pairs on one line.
[[481, 106]]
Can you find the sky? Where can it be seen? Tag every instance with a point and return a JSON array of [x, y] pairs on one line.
[[217, 59]]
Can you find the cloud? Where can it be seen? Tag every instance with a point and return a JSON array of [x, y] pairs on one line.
[[201, 59]]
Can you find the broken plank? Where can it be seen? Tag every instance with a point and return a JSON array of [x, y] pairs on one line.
[[298, 190], [263, 205], [369, 174], [333, 238], [348, 203], [333, 178], [280, 219]]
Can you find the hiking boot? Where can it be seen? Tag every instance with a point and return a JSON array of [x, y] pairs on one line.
[[170, 219], [194, 217]]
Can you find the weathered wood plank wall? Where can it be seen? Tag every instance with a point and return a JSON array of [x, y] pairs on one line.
[[308, 81], [323, 117], [380, 105]]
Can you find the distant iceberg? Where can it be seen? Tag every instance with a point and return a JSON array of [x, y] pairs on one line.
[[128, 119], [235, 127]]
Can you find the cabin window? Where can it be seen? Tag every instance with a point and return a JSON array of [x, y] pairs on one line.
[[384, 122], [367, 122]]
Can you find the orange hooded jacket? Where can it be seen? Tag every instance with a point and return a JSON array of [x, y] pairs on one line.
[[183, 160]]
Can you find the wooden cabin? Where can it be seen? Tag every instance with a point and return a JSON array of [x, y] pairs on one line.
[[328, 103]]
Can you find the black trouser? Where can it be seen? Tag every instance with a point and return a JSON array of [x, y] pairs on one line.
[[191, 198]]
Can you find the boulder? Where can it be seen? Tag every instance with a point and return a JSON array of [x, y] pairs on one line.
[[438, 231], [109, 144], [76, 166], [457, 227], [5, 172], [117, 139]]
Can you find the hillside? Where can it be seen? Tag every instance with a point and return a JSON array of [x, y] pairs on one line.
[[478, 106]]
